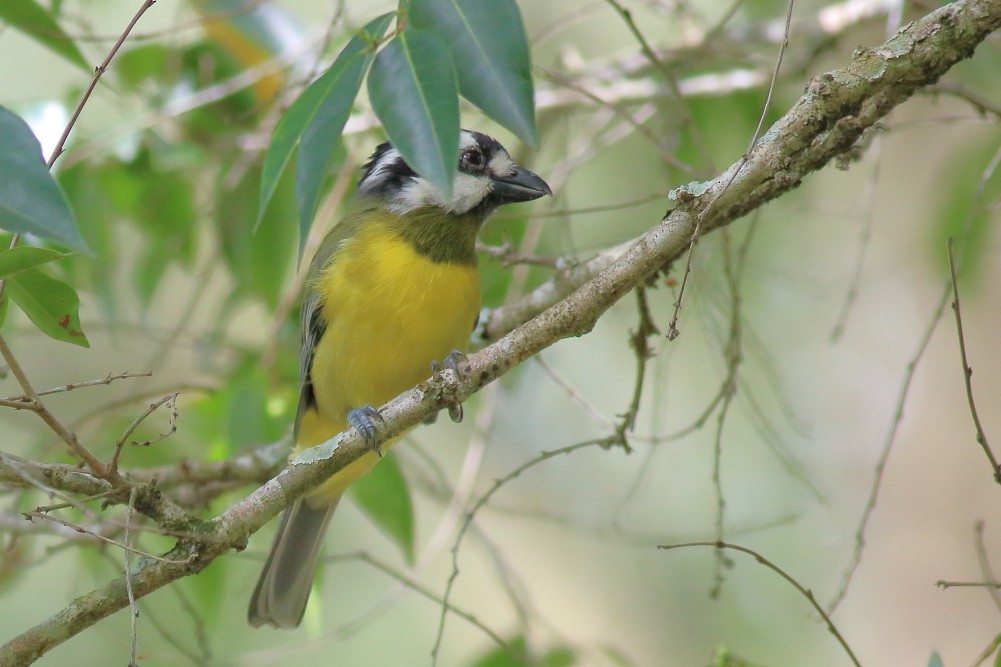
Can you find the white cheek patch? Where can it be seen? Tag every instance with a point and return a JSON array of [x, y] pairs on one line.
[[467, 192]]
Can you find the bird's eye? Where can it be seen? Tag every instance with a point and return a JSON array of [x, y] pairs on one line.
[[472, 158]]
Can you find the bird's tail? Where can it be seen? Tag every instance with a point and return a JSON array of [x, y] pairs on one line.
[[287, 579]]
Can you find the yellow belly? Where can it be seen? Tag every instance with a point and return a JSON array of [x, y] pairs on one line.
[[389, 313]]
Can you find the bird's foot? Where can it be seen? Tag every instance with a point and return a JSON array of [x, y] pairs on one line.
[[456, 361], [363, 420]]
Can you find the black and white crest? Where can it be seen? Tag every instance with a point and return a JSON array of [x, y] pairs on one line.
[[482, 161]]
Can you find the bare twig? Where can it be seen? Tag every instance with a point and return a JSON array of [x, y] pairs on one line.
[[884, 456], [429, 595], [943, 584], [509, 255], [12, 401], [672, 81], [805, 592], [836, 109], [639, 340], [171, 403], [575, 395], [35, 404], [672, 329], [968, 372], [98, 73], [477, 506], [733, 352], [133, 607], [37, 514]]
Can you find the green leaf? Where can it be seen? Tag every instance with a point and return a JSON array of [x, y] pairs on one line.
[[259, 261], [19, 259], [413, 90], [91, 189], [490, 51], [935, 660], [33, 20], [321, 135], [323, 106], [383, 495], [30, 199], [50, 304]]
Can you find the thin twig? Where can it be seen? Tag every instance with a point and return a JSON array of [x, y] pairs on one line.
[[672, 330], [128, 583], [171, 403], [477, 506], [639, 340], [98, 73], [428, 594], [37, 514], [943, 584], [805, 592], [13, 400], [869, 204], [35, 405], [733, 352], [509, 255], [968, 371], [884, 456], [574, 394]]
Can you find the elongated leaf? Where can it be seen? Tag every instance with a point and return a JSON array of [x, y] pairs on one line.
[[18, 259], [324, 130], [490, 51], [326, 102], [384, 496], [33, 20], [50, 304], [413, 91], [30, 199]]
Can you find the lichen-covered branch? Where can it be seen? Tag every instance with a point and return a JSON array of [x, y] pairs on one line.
[[834, 112]]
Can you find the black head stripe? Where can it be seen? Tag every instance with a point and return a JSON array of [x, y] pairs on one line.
[[488, 144], [389, 176]]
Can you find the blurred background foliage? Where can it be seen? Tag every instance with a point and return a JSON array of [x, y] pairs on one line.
[[186, 278]]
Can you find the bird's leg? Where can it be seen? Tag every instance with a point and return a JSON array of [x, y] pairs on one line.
[[452, 360], [363, 420]]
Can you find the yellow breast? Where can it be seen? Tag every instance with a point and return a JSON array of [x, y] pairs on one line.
[[389, 312]]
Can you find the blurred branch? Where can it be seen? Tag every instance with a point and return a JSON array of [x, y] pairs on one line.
[[825, 123]]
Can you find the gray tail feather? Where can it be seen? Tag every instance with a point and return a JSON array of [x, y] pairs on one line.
[[287, 578]]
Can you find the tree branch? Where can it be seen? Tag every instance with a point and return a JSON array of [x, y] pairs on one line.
[[825, 123]]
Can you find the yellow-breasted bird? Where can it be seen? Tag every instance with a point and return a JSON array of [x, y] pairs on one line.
[[392, 290]]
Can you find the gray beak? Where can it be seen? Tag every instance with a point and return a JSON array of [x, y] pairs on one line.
[[519, 185]]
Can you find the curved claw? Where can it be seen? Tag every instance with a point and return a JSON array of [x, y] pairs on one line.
[[455, 360], [363, 420]]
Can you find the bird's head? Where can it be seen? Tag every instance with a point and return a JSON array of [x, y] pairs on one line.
[[487, 178]]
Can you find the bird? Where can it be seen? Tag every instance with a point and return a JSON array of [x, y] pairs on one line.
[[392, 293]]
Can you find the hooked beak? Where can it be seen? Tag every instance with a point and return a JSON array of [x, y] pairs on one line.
[[519, 185]]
